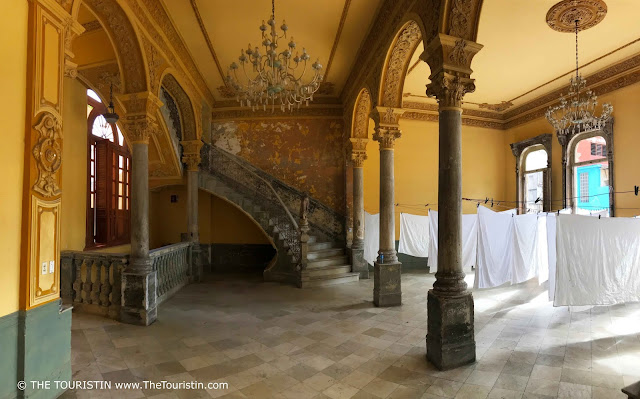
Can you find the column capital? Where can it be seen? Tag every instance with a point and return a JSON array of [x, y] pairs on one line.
[[387, 137], [449, 58], [140, 115], [191, 154], [358, 151], [387, 117]]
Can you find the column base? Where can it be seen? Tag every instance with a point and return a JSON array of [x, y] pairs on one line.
[[450, 332], [358, 264], [387, 284], [139, 299]]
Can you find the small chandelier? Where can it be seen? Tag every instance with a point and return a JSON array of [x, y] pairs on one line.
[[277, 76], [576, 112], [110, 116]]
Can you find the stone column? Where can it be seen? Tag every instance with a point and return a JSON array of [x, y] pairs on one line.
[[191, 158], [450, 335], [139, 299], [387, 270], [358, 156]]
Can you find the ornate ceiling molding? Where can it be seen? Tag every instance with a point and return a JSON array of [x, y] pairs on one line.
[[320, 111], [183, 102], [207, 39], [361, 111], [563, 16], [343, 18]]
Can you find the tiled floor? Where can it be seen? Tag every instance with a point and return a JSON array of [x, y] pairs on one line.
[[272, 341]]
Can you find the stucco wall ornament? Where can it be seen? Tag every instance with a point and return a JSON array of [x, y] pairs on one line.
[[185, 107], [48, 155], [588, 13], [458, 54]]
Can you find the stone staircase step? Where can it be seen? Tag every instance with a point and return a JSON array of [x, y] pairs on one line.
[[322, 281], [317, 246], [329, 261], [308, 274], [324, 253]]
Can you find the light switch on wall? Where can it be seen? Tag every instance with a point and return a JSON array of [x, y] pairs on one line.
[[52, 266], [44, 268]]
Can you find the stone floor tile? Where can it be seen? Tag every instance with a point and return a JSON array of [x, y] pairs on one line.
[[574, 391], [543, 387], [469, 391], [499, 393], [511, 382], [444, 388], [483, 378], [540, 372]]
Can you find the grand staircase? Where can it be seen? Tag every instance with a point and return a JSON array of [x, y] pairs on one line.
[[274, 206]]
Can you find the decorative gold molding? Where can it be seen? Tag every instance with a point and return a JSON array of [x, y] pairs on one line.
[[336, 40], [48, 155], [325, 111], [563, 15], [361, 111], [393, 78], [194, 7]]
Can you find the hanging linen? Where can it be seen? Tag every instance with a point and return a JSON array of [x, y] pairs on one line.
[[495, 248], [414, 235], [371, 237], [469, 241], [598, 261], [432, 262], [551, 249], [542, 249], [525, 248]]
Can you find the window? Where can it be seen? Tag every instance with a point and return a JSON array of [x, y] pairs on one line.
[[598, 149], [590, 168], [584, 187], [109, 178], [533, 173]]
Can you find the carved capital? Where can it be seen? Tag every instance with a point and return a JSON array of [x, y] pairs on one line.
[[48, 155], [386, 116], [139, 128], [451, 54], [386, 136], [192, 161], [191, 153], [70, 69], [358, 158], [449, 89]]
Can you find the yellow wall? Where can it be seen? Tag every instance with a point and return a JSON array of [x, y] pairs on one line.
[[416, 168], [13, 30], [626, 142], [74, 176], [219, 221]]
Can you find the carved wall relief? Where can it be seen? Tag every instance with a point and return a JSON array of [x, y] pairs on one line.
[[48, 155]]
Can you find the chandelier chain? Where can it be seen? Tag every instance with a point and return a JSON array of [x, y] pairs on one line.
[[577, 48]]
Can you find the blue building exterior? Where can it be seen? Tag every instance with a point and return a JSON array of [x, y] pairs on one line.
[[597, 198]]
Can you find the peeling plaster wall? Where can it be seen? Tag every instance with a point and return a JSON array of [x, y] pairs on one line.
[[306, 153]]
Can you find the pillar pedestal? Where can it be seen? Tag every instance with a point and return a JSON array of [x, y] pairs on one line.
[[387, 284], [450, 332]]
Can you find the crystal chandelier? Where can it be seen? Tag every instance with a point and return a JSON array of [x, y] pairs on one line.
[[576, 112], [275, 78]]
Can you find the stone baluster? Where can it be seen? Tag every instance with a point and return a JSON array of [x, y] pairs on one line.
[[450, 335], [387, 270]]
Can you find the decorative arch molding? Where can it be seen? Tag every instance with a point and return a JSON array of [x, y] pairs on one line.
[[126, 42], [520, 150], [188, 115], [397, 63], [460, 18], [361, 111]]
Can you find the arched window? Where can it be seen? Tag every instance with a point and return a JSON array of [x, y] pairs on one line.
[[109, 177], [590, 175], [533, 173]]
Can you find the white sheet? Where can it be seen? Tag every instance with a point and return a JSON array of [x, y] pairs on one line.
[[542, 249], [495, 248], [551, 250], [371, 237], [469, 241], [598, 260], [414, 235], [525, 248]]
